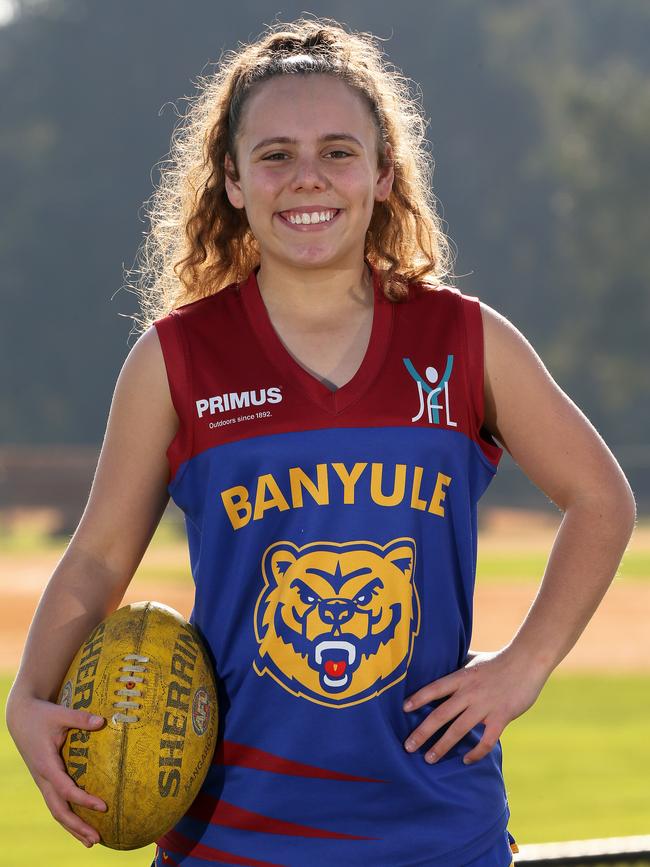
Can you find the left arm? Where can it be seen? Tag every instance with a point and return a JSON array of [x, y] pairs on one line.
[[562, 453]]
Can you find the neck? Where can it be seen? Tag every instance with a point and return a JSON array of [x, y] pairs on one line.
[[313, 294]]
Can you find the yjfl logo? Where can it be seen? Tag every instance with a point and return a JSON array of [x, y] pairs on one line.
[[432, 388]]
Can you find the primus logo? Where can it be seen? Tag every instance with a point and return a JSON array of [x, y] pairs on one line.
[[237, 400]]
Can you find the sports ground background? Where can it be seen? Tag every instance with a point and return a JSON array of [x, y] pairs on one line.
[[576, 764], [540, 129]]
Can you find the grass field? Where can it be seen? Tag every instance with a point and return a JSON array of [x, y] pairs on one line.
[[525, 566], [576, 765]]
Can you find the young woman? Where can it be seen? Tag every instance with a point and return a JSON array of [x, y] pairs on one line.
[[327, 413]]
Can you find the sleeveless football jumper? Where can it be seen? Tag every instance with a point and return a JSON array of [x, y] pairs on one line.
[[332, 539]]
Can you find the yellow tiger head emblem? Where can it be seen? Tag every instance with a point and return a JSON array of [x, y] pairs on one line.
[[335, 622]]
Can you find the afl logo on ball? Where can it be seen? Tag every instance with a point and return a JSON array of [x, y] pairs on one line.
[[66, 695], [201, 711]]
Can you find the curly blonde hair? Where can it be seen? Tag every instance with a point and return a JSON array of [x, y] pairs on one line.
[[199, 243]]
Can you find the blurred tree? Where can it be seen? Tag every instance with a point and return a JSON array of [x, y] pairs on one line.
[[588, 77]]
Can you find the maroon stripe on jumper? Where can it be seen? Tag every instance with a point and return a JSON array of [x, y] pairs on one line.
[[243, 756]]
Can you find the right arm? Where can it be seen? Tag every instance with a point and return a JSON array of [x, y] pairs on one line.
[[127, 500]]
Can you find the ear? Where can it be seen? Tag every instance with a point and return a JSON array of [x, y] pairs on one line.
[[233, 187], [385, 177]]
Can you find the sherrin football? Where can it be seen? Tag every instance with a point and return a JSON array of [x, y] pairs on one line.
[[146, 670]]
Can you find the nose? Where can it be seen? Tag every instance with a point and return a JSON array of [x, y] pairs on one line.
[[336, 611], [308, 175]]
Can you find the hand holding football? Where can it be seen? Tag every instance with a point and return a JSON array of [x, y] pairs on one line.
[[146, 671]]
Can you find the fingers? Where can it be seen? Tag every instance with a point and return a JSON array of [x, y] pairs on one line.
[[66, 787], [455, 733], [467, 705], [39, 729], [58, 788], [76, 719], [434, 721], [437, 689], [59, 791], [487, 743], [61, 811]]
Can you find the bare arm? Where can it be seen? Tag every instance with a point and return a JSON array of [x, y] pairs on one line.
[[562, 453], [126, 502]]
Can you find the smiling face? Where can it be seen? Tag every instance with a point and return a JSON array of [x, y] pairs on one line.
[[308, 171]]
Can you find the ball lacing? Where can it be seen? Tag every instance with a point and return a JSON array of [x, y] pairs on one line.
[[131, 690]]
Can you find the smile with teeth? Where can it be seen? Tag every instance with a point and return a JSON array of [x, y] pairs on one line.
[[298, 218]]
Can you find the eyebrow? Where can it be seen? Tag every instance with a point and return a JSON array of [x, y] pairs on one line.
[[331, 136]]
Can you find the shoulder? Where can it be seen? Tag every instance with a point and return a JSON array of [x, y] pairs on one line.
[[505, 345], [145, 356], [497, 325], [515, 377], [141, 412], [143, 372]]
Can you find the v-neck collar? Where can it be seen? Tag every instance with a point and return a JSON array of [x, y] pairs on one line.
[[343, 397]]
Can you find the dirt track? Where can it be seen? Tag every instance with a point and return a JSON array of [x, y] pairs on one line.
[[616, 640]]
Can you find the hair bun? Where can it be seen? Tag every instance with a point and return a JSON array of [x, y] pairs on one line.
[[320, 39], [284, 45], [287, 44]]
